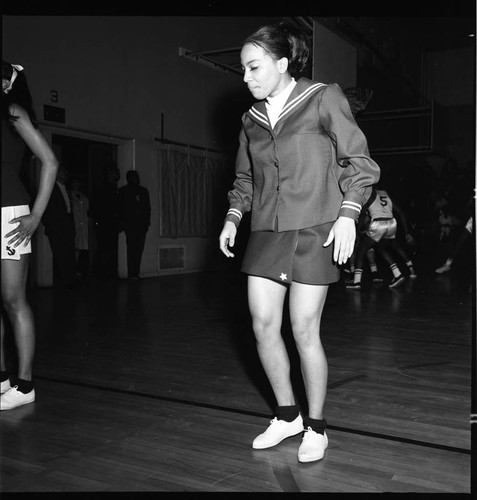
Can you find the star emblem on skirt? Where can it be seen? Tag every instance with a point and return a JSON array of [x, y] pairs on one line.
[[283, 277]]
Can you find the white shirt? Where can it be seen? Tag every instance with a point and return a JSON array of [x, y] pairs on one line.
[[275, 104]]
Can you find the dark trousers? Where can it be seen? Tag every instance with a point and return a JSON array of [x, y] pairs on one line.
[[135, 239], [107, 251], [62, 243]]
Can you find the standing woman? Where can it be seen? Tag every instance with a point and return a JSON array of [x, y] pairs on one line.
[[80, 209], [304, 171], [19, 130]]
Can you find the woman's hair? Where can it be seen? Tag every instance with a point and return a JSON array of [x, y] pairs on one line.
[[18, 94], [283, 39]]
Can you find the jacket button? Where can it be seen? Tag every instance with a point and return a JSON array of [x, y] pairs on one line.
[[276, 164], [278, 188]]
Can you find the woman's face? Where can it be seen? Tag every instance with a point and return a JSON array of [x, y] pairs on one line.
[[263, 75], [5, 85]]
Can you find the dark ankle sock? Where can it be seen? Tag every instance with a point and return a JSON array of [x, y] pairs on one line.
[[318, 426], [3, 376], [24, 386], [287, 413]]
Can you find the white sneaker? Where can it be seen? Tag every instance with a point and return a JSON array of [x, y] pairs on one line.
[[277, 431], [443, 269], [313, 446], [5, 385], [13, 398], [396, 281]]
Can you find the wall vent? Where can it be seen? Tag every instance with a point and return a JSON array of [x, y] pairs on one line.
[[171, 258]]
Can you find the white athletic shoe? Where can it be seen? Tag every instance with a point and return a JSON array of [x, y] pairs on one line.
[[397, 281], [313, 446], [13, 398], [443, 269], [5, 385], [277, 431]]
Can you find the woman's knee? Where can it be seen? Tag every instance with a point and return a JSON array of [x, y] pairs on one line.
[[265, 327], [306, 331], [13, 300]]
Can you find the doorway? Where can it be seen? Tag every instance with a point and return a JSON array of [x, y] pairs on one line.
[[86, 161], [86, 156]]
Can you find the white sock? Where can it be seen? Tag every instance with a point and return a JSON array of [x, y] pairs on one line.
[[395, 270]]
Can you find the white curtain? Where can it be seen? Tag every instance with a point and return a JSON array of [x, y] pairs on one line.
[[193, 186]]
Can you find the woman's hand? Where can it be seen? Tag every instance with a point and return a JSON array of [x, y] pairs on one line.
[[27, 225], [227, 238], [343, 233]]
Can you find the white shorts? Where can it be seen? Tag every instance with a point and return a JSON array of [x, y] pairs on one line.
[[10, 251], [382, 229]]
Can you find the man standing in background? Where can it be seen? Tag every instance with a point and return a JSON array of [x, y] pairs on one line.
[[135, 219], [104, 212], [60, 230]]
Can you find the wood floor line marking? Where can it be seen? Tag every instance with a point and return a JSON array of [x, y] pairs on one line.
[[345, 381], [347, 430]]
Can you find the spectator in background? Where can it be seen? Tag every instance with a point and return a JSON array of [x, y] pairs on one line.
[[381, 235], [135, 219], [458, 247], [104, 212], [19, 223], [80, 204], [446, 219], [60, 230]]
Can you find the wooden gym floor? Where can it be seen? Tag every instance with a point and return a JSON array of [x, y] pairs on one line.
[[155, 385]]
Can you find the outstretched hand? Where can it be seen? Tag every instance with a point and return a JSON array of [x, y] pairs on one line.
[[343, 233], [23, 232]]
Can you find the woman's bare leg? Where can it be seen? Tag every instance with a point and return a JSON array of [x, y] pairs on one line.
[[306, 307], [266, 298], [18, 310]]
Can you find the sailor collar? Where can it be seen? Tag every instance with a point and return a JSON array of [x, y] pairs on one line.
[[304, 89]]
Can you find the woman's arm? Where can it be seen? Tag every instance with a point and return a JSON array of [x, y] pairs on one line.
[[240, 197], [38, 145], [358, 171]]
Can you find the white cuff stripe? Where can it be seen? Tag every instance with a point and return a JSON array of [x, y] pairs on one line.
[[351, 207], [234, 211], [352, 203]]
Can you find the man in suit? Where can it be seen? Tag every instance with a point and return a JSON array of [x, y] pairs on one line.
[[135, 218], [60, 230], [104, 212]]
